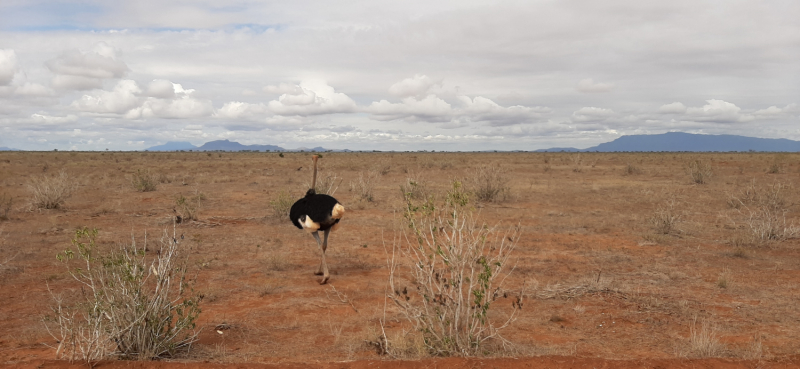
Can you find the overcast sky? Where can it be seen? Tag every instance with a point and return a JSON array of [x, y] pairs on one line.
[[394, 75]]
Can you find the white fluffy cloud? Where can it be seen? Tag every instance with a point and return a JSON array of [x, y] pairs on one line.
[[241, 110], [672, 108], [311, 97], [84, 70], [430, 108], [419, 85], [481, 109], [121, 99], [592, 114], [8, 66], [718, 111], [590, 86]]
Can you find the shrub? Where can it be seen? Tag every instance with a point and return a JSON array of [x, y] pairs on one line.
[[281, 205], [489, 183], [365, 184], [455, 267], [50, 192], [699, 171], [666, 217], [186, 208], [5, 206], [764, 209], [143, 181], [415, 187], [327, 183], [134, 306], [631, 169]]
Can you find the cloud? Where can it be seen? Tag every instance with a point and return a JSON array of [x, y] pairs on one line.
[[430, 109], [83, 70], [283, 88], [419, 86], [592, 114], [481, 109], [717, 111], [120, 100], [673, 108], [180, 105], [240, 110], [8, 66], [589, 86], [312, 97], [161, 88]]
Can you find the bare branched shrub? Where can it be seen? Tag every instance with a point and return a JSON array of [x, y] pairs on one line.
[[447, 271], [764, 210], [281, 205], [415, 187], [700, 171], [135, 305], [489, 183], [144, 181], [50, 192], [5, 205], [703, 341], [327, 183], [187, 208], [666, 217], [364, 185]]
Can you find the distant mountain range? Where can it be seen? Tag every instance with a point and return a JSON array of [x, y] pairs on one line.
[[671, 141], [679, 141], [224, 145]]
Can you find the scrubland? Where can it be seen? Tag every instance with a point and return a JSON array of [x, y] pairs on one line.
[[621, 256]]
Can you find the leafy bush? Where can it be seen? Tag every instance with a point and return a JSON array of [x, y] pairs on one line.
[[50, 192], [415, 187], [135, 306], [454, 266]]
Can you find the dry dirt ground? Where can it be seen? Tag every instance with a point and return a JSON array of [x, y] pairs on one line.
[[626, 259]]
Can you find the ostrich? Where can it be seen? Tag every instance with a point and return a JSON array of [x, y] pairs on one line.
[[314, 213]]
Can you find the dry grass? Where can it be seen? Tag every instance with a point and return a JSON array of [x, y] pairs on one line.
[[144, 181], [5, 205], [700, 171], [703, 340], [281, 204]]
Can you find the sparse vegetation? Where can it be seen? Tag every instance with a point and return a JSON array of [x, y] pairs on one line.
[[50, 192], [666, 217], [187, 208], [699, 171], [144, 181], [490, 183], [5, 205], [446, 272], [363, 187], [703, 340], [764, 210], [135, 305], [281, 205], [414, 188]]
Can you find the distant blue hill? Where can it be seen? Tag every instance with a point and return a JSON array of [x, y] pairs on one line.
[[225, 145], [7, 149], [679, 141], [173, 146]]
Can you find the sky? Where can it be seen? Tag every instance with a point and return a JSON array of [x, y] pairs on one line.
[[394, 75]]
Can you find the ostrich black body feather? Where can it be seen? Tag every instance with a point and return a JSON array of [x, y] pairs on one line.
[[318, 207]]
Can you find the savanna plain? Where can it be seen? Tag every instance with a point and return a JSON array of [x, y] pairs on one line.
[[608, 259]]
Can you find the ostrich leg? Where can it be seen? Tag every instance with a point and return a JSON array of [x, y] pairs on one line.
[[324, 265]]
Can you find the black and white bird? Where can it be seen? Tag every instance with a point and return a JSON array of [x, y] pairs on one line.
[[314, 213]]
